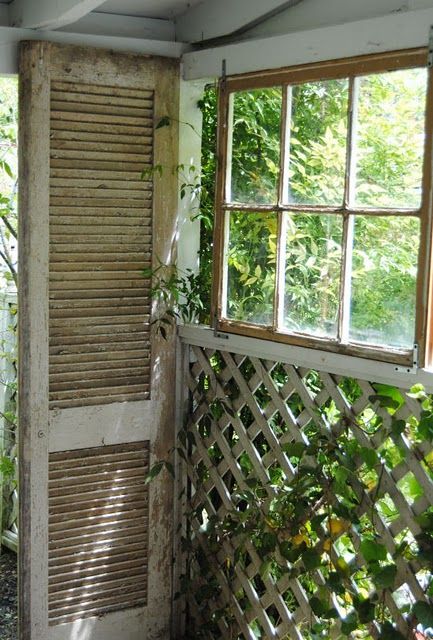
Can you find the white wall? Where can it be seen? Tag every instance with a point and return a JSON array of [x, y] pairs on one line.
[[190, 128]]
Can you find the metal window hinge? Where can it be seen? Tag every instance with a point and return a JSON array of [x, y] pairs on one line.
[[414, 368], [223, 74], [216, 333], [430, 49]]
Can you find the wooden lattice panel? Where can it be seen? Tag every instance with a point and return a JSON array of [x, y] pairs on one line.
[[98, 531], [261, 407], [100, 242]]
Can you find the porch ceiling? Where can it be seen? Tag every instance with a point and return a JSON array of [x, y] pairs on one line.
[[163, 9], [200, 22]]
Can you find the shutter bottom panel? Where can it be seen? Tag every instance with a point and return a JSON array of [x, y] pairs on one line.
[[107, 569]]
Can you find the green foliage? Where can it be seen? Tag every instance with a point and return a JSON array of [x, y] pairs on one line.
[[256, 145], [177, 294], [251, 282], [310, 522], [8, 275], [208, 107], [8, 179], [7, 467], [186, 295], [423, 612]]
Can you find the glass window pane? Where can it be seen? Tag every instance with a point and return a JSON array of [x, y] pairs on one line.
[[390, 139], [317, 143], [385, 256], [251, 260], [312, 277], [255, 146]]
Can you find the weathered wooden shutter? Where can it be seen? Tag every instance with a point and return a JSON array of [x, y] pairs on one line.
[[96, 390]]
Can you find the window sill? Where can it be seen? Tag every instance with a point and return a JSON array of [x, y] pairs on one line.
[[370, 352], [334, 363]]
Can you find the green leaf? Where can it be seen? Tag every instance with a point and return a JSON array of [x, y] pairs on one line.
[[350, 623], [425, 520], [342, 567], [163, 122], [341, 474], [386, 390], [330, 614], [424, 613], [170, 468], [265, 569], [398, 427], [318, 606], [311, 559], [369, 456], [385, 401], [385, 578], [373, 551], [316, 521], [295, 449], [366, 610], [7, 467], [334, 583], [269, 542], [286, 550], [425, 426], [389, 632], [155, 471], [290, 553], [417, 391], [6, 168]]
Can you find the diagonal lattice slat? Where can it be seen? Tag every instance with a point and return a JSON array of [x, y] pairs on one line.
[[245, 412]]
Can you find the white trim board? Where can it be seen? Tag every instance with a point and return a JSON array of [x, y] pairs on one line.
[[10, 37], [387, 33], [335, 363], [100, 425], [120, 624]]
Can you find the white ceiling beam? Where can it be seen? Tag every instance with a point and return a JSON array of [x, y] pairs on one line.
[[10, 39], [110, 24], [210, 19], [49, 14]]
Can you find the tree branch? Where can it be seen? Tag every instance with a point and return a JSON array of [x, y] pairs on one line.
[[10, 266], [10, 228]]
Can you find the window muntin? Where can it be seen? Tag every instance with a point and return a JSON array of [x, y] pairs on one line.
[[337, 198]]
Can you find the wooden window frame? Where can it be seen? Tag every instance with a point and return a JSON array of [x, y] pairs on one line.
[[334, 69]]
